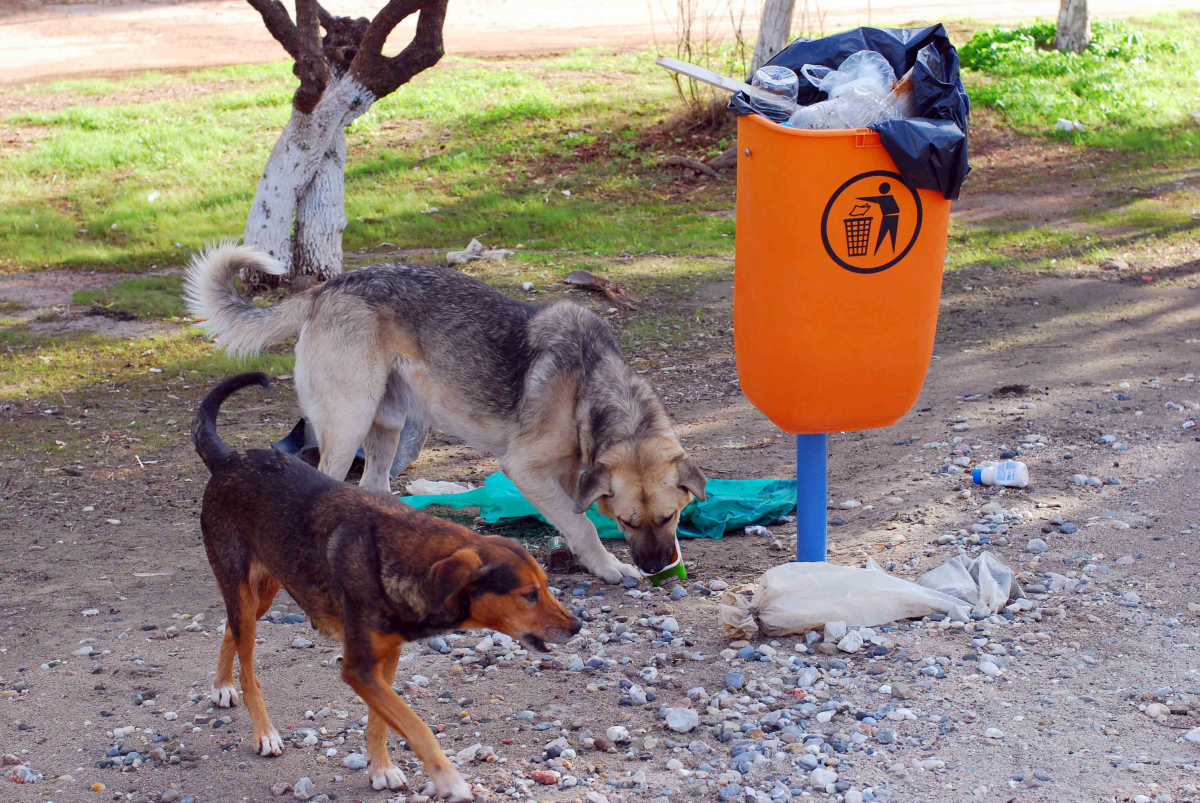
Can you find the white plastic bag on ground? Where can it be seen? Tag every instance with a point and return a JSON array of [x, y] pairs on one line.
[[796, 597], [433, 487], [980, 581]]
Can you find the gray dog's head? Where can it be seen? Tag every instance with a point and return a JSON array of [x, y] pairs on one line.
[[643, 485]]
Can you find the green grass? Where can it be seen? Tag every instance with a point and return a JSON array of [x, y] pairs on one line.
[[39, 366], [542, 153], [1134, 89], [148, 297]]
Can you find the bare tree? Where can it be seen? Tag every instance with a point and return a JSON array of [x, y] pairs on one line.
[[299, 214], [1074, 28], [774, 29]]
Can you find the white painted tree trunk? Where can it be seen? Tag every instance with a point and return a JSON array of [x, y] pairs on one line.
[[321, 216], [308, 158], [773, 31], [1074, 28]]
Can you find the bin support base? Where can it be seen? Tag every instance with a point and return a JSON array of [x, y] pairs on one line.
[[812, 482]]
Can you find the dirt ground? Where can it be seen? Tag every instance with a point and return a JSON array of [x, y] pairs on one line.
[[40, 39], [105, 553]]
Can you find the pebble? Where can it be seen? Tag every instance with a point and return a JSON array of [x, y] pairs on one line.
[[545, 777], [303, 789], [682, 720], [169, 796], [1037, 546], [849, 504], [835, 631], [355, 761], [822, 777], [735, 680], [301, 643], [851, 643], [617, 734], [1067, 528], [993, 733]]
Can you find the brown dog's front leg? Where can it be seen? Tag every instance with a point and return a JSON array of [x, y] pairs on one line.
[[384, 774], [365, 674]]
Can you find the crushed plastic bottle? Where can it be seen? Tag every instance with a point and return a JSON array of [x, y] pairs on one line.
[[863, 92]]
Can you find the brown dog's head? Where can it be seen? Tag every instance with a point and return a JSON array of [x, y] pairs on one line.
[[643, 485], [506, 590]]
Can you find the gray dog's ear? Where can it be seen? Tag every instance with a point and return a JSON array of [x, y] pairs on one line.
[[691, 478], [593, 484], [451, 575]]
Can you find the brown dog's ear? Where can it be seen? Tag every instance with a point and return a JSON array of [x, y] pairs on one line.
[[691, 478], [451, 575], [593, 484]]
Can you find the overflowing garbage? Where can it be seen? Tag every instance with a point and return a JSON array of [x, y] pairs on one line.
[[862, 92], [902, 83]]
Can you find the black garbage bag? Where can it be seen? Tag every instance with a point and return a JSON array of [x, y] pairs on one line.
[[931, 149]]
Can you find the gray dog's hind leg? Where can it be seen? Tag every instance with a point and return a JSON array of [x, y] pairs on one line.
[[412, 438]]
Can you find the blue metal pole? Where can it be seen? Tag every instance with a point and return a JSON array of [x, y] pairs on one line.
[[812, 484]]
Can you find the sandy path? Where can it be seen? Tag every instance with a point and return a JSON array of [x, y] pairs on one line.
[[84, 39]]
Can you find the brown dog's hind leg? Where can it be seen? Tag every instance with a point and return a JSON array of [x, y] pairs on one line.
[[384, 774], [365, 674], [267, 741]]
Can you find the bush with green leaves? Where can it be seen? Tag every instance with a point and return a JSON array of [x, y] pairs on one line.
[[1133, 88], [1029, 49]]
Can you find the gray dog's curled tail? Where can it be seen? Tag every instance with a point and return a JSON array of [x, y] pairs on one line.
[[209, 292], [208, 443]]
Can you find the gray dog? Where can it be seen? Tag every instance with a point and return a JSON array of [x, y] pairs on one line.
[[543, 388]]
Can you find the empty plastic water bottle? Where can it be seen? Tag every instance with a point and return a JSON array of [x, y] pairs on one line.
[[1010, 473], [780, 88]]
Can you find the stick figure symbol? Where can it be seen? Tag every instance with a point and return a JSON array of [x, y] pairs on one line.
[[890, 225]]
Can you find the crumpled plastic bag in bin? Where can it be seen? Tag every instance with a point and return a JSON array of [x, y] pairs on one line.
[[796, 597]]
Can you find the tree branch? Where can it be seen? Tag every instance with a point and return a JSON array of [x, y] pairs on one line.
[[279, 23], [311, 68], [383, 75]]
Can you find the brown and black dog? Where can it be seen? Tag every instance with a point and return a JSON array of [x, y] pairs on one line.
[[368, 570]]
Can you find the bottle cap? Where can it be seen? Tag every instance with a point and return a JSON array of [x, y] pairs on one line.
[[977, 475]]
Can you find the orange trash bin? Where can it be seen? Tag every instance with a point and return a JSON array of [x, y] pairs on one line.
[[838, 274]]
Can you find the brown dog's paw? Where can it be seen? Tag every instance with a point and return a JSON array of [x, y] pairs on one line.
[[390, 777], [224, 696], [269, 744]]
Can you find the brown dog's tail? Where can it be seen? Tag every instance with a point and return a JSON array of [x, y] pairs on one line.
[[209, 445]]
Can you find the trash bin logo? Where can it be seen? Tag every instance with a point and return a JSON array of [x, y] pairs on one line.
[[871, 222]]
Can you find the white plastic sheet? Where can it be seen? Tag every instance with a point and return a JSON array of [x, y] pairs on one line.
[[979, 582], [796, 597]]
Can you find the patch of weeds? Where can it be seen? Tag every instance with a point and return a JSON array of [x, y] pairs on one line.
[[11, 305], [147, 297]]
